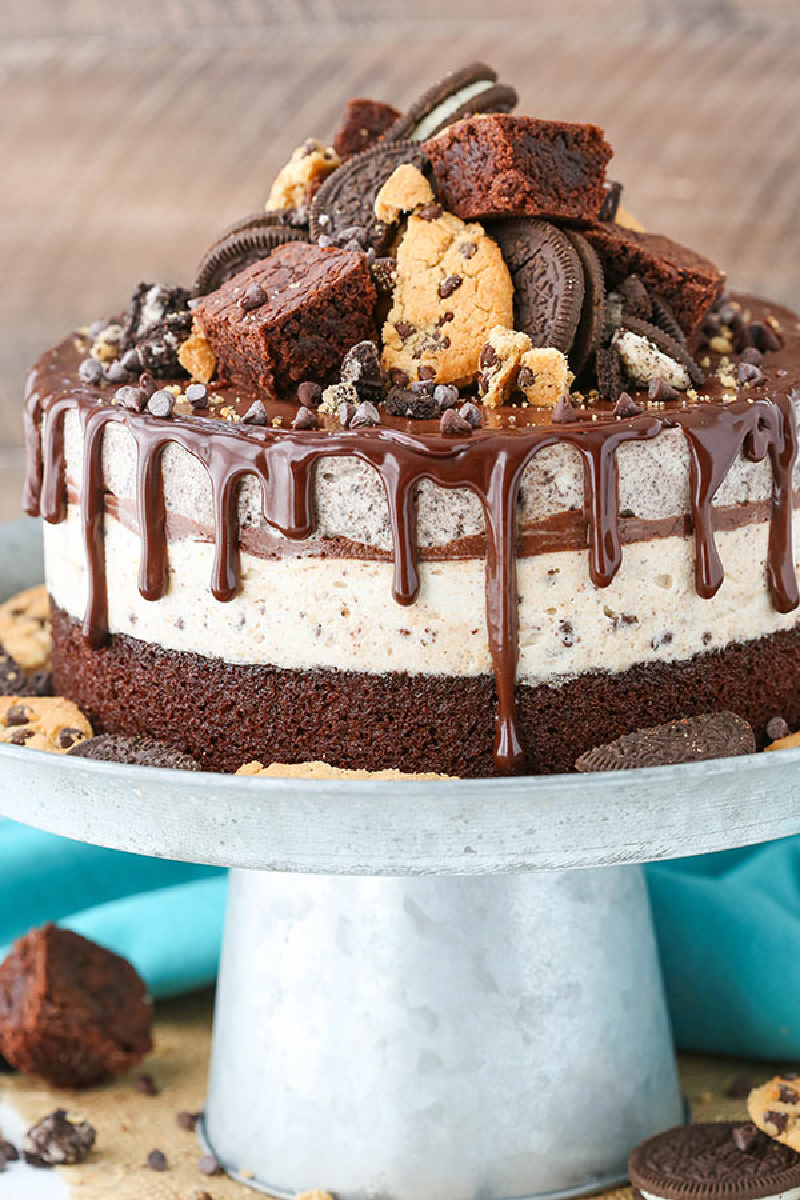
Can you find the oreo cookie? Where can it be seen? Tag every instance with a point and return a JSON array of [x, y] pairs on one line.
[[610, 381], [134, 751], [662, 316], [346, 200], [247, 242], [472, 89], [546, 271], [723, 1160], [591, 326], [691, 739], [669, 346]]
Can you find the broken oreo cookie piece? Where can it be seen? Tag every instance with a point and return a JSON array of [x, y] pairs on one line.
[[691, 739], [134, 751]]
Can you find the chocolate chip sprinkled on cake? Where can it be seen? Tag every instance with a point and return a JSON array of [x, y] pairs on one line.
[[209, 1164], [776, 729], [197, 395], [156, 1161], [446, 395], [134, 398], [751, 355], [711, 735], [114, 372], [749, 373], [762, 336], [626, 406], [254, 296], [256, 414], [306, 419], [345, 411], [471, 413], [660, 390], [564, 412], [161, 403], [309, 394], [90, 371], [365, 416], [145, 1085], [452, 423]]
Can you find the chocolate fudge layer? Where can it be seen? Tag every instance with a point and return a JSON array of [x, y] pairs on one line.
[[498, 600]]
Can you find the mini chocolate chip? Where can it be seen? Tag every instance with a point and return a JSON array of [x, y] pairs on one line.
[[90, 371], [156, 1160], [752, 356], [471, 413], [365, 415], [36, 1161], [430, 212], [787, 1095], [147, 383], [446, 317], [197, 395], [450, 284], [20, 736], [564, 412], [398, 378], [115, 372], [131, 361], [17, 714], [68, 737], [453, 423], [187, 1120], [161, 403], [779, 1120], [446, 395], [256, 414], [626, 406], [9, 1151], [253, 298], [762, 336], [659, 389], [345, 413], [746, 1136], [467, 249], [145, 1085], [426, 372], [749, 373], [488, 358], [209, 1164], [405, 330], [776, 729], [306, 419], [309, 394], [134, 398]]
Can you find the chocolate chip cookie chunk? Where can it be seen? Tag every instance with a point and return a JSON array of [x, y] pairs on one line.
[[25, 628], [452, 289], [299, 180], [42, 723], [508, 364], [775, 1109]]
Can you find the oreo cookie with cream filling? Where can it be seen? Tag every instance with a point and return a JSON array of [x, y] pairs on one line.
[[691, 739], [591, 326], [346, 200], [648, 353], [472, 89], [724, 1160], [546, 271]]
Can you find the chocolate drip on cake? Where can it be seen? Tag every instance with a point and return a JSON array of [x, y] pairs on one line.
[[489, 463]]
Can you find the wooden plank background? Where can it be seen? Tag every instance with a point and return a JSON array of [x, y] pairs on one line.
[[131, 133]]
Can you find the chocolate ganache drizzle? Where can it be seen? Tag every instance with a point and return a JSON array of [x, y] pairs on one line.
[[490, 463]]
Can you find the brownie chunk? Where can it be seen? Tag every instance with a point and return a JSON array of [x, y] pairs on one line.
[[71, 1011], [498, 165], [688, 282], [363, 123], [289, 317]]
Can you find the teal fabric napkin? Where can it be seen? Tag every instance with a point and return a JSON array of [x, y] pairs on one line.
[[728, 927]]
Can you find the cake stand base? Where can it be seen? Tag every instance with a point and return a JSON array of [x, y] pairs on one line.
[[439, 1038]]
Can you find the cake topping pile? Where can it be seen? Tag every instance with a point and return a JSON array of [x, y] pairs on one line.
[[437, 236]]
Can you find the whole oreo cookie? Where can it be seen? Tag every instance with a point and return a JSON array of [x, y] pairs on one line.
[[246, 242], [134, 751], [692, 739], [548, 281], [346, 199], [725, 1160], [472, 89], [591, 326]]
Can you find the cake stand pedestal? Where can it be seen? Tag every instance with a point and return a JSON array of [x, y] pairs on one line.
[[422, 996]]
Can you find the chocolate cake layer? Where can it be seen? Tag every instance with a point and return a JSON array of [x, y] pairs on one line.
[[225, 714]]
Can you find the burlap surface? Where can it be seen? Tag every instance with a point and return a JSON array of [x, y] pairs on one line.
[[130, 1124]]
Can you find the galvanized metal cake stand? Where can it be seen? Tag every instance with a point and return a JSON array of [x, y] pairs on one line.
[[428, 991]]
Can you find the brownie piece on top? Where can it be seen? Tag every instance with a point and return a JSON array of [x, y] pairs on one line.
[[363, 123], [686, 280], [498, 165], [289, 317], [71, 1011]]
